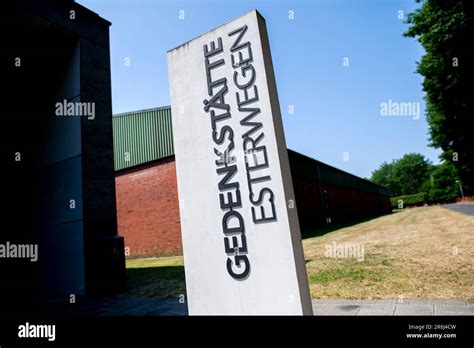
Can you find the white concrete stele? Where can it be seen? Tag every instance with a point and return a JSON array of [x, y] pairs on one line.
[[241, 237]]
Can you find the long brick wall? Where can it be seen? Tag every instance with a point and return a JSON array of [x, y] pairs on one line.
[[148, 209]]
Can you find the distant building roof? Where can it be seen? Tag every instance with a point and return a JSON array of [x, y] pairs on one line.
[[146, 135], [142, 136]]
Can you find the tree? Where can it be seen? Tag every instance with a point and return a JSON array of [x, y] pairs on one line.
[[410, 172], [384, 176], [404, 176], [443, 184], [445, 28]]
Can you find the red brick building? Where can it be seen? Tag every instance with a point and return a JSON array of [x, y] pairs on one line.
[[147, 195], [148, 209]]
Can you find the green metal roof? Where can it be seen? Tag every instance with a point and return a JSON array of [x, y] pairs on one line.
[[142, 136], [146, 135]]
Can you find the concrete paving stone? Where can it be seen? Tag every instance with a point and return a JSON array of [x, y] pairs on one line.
[[341, 310], [360, 302], [419, 302], [453, 310], [386, 302], [155, 313], [456, 303], [438, 302], [377, 310], [454, 314], [175, 312], [328, 301], [139, 307], [318, 311], [157, 307], [114, 306], [414, 310], [393, 307], [172, 313]]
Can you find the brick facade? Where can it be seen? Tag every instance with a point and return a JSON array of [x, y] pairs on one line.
[[148, 209], [148, 205]]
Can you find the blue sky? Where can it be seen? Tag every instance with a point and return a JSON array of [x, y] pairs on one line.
[[336, 107]]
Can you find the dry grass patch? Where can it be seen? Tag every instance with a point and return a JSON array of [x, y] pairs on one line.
[[425, 252]]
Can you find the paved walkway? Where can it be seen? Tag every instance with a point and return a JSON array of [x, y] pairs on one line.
[[115, 306], [461, 208], [393, 307], [129, 306]]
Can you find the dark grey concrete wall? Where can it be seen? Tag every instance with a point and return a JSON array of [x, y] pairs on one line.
[[63, 158]]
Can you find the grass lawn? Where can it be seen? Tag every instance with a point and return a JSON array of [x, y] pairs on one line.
[[156, 277], [425, 252]]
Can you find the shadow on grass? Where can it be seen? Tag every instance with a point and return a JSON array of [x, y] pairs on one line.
[[155, 273], [162, 282], [324, 229]]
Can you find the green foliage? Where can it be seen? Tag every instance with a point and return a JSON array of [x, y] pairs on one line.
[[408, 200], [416, 181], [404, 176], [384, 176], [411, 171], [444, 28], [443, 184]]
